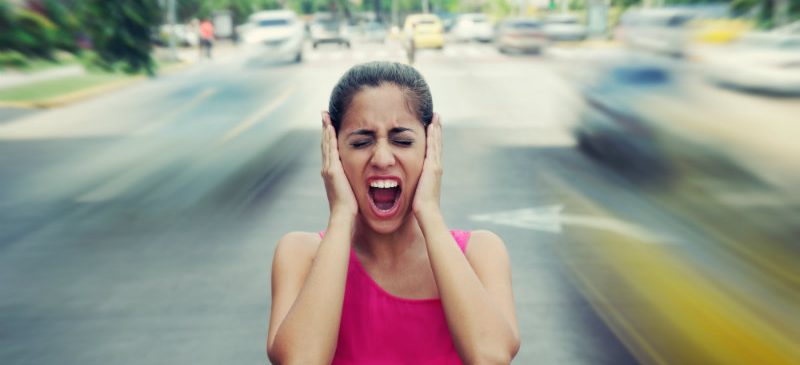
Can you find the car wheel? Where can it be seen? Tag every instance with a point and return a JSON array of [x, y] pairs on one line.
[[314, 45], [299, 57]]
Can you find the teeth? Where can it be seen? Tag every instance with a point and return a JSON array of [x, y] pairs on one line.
[[383, 184]]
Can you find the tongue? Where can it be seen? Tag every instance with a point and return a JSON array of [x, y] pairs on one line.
[[384, 198]]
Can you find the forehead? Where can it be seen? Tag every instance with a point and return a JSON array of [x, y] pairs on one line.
[[379, 108]]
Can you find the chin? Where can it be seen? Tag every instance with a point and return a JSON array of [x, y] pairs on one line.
[[384, 226]]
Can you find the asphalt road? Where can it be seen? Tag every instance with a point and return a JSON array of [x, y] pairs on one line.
[[138, 228]]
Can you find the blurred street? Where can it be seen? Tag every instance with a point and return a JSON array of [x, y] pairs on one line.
[[138, 227]]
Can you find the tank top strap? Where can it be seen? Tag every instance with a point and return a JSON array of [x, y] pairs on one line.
[[462, 238]]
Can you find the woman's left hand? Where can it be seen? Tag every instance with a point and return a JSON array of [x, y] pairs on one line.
[[426, 197]]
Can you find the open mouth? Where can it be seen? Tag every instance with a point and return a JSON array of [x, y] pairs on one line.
[[384, 196]]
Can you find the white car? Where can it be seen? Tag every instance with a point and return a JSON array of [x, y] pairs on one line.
[[473, 27], [275, 35], [564, 27], [659, 30], [759, 62]]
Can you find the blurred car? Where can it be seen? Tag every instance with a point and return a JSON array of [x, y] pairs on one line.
[[520, 34], [374, 32], [611, 128], [275, 34], [448, 20], [658, 123], [326, 28], [719, 31], [424, 31], [564, 27], [659, 30], [759, 62], [472, 27], [791, 28]]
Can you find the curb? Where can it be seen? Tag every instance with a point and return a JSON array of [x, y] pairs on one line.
[[90, 92]]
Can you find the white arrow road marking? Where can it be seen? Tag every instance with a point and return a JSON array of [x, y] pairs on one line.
[[551, 219]]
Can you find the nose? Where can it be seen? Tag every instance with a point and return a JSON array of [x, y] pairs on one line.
[[383, 156]]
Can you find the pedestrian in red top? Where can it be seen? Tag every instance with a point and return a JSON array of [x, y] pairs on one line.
[[206, 38], [387, 282]]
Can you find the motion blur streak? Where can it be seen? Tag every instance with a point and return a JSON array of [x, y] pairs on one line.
[[643, 171], [668, 309]]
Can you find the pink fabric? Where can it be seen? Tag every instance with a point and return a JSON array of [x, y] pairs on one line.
[[382, 329]]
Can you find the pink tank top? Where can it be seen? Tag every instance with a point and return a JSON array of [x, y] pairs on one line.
[[382, 329]]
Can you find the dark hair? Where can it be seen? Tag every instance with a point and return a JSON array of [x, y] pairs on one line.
[[374, 74]]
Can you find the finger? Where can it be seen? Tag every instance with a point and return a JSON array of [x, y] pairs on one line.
[[333, 149], [439, 137], [434, 140], [324, 145]]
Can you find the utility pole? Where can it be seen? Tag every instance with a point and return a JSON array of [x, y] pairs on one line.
[[173, 52], [426, 6], [780, 12], [395, 15]]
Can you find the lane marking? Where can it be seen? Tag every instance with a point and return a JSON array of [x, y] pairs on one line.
[[254, 118], [167, 118]]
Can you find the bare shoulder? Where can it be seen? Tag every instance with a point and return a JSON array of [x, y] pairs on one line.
[[485, 242], [486, 249], [297, 248]]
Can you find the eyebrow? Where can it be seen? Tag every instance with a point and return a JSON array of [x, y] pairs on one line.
[[365, 132]]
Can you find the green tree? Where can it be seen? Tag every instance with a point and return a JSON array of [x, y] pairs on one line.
[[121, 33], [64, 19]]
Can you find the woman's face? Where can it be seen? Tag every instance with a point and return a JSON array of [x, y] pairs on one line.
[[382, 148]]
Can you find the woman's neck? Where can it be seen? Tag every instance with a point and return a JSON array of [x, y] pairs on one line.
[[407, 239]]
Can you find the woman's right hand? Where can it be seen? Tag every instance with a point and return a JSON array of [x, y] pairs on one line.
[[341, 199]]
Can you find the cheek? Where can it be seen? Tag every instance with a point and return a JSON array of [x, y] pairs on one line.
[[352, 164], [413, 161]]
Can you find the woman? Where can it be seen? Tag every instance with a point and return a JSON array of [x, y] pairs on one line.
[[387, 282]]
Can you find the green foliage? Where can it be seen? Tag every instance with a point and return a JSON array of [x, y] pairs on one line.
[[625, 3], [121, 33], [32, 34], [241, 9], [13, 59], [6, 26], [66, 23]]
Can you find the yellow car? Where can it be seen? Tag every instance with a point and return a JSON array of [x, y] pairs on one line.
[[424, 30]]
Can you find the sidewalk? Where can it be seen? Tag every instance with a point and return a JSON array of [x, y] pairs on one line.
[[15, 78], [65, 85]]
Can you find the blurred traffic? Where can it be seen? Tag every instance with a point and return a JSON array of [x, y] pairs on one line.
[[645, 150]]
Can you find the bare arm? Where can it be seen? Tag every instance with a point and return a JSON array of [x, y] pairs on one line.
[[477, 299], [308, 296], [476, 294]]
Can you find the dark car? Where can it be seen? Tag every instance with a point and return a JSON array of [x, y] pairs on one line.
[[521, 35], [657, 121], [325, 28], [614, 129]]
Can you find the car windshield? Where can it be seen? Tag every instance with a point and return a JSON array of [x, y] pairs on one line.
[[525, 25], [328, 24], [273, 22], [562, 20]]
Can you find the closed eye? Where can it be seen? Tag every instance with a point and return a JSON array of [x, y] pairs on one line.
[[360, 143], [404, 142]]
